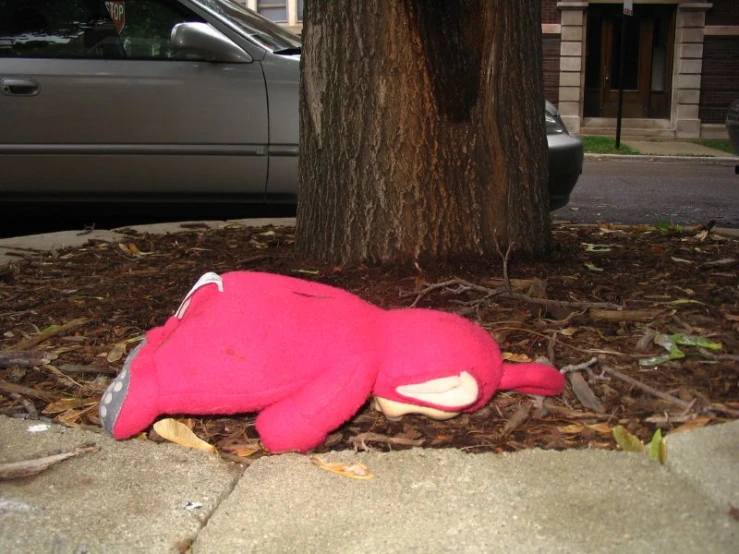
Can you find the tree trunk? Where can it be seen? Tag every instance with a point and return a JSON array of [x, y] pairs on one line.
[[422, 130]]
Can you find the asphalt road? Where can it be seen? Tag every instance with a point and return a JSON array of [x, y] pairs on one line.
[[609, 191], [629, 191]]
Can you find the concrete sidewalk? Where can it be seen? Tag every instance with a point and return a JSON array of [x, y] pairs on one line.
[[675, 148], [135, 496]]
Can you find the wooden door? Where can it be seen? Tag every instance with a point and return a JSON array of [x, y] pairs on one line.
[[647, 53]]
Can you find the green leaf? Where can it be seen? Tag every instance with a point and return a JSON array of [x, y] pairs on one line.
[[313, 272], [669, 343], [667, 227], [655, 360], [685, 301], [627, 441], [694, 340], [593, 267], [50, 329], [589, 247], [658, 447]]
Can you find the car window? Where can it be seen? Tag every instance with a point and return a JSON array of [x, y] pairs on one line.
[[102, 29], [257, 28]]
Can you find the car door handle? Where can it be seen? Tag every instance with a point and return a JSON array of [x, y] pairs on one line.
[[18, 86]]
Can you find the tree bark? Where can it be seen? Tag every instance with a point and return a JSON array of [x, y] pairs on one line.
[[422, 132]]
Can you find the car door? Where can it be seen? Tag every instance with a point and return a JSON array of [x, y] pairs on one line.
[[96, 102]]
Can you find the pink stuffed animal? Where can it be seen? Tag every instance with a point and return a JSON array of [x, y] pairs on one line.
[[307, 356]]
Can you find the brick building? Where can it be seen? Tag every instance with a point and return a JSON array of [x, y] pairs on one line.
[[681, 63]]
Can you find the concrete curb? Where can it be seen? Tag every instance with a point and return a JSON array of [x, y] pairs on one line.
[[703, 160]]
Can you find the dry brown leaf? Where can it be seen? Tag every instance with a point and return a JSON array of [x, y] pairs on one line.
[[602, 428], [697, 423], [66, 404], [353, 471], [519, 417], [571, 429], [244, 452], [585, 394], [512, 357], [179, 433], [117, 352]]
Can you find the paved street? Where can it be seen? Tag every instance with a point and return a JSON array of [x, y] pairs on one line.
[[634, 191]]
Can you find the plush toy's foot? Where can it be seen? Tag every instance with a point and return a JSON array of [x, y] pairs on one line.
[[115, 394], [127, 406]]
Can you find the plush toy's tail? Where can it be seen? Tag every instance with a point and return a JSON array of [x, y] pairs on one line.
[[532, 378]]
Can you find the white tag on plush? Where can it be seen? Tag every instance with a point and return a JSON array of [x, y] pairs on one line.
[[209, 278]]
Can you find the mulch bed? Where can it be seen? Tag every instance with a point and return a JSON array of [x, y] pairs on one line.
[[72, 315]]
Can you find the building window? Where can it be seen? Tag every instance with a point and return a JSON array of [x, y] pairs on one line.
[[273, 9], [300, 10]]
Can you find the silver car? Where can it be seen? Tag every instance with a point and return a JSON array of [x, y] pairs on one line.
[[161, 101]]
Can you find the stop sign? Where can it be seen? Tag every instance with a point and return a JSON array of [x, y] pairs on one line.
[[117, 11]]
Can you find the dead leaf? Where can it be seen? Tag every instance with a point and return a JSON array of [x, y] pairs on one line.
[[119, 348], [519, 358], [117, 352], [697, 423], [179, 433], [571, 429], [538, 288], [353, 471], [244, 452], [602, 428], [66, 404], [519, 417], [585, 394]]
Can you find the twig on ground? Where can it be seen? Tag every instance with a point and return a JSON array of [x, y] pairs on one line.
[[44, 335], [27, 391], [25, 358], [76, 368], [504, 292], [26, 468], [548, 337], [646, 388], [504, 257], [579, 367], [359, 441], [61, 376], [668, 397]]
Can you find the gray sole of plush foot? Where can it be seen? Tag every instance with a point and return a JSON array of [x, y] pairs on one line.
[[115, 394]]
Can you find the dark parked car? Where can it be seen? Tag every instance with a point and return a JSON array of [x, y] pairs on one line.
[[162, 100], [732, 125]]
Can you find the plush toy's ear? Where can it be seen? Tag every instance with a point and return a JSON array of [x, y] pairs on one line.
[[532, 378]]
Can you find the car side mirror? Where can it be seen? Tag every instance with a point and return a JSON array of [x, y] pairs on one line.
[[206, 41]]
